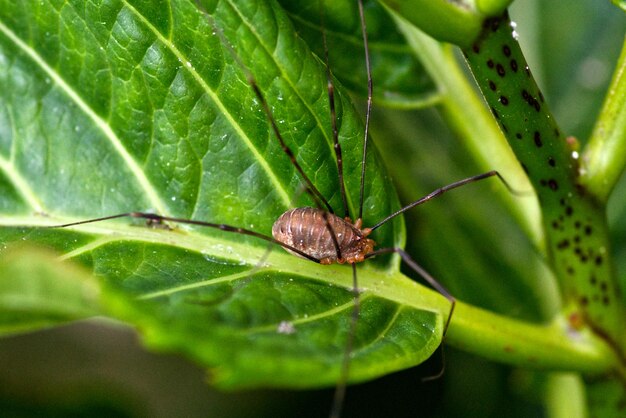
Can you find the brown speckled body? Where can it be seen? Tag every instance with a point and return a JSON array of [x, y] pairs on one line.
[[306, 230]]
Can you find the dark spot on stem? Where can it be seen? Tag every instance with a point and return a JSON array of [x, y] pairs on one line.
[[551, 161], [588, 230], [584, 301], [492, 85], [576, 239], [599, 260], [604, 286], [553, 184], [506, 50], [577, 224], [476, 48], [555, 224], [537, 138], [500, 70], [605, 300], [569, 210], [528, 98], [563, 244], [593, 280], [514, 66], [518, 135], [504, 100], [490, 63], [570, 270]]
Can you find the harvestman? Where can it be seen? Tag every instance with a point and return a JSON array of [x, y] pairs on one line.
[[318, 234]]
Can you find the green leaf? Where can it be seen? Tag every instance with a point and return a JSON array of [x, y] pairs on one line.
[[130, 105], [38, 291]]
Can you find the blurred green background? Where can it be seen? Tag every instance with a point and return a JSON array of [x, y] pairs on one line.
[[98, 368]]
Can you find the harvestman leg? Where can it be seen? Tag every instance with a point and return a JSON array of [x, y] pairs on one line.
[[316, 195], [158, 218], [424, 274], [405, 256], [340, 388], [416, 267], [442, 190]]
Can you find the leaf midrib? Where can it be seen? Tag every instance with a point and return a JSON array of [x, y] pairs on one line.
[[392, 286]]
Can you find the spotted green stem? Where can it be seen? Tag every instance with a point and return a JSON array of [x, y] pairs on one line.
[[574, 220], [463, 109]]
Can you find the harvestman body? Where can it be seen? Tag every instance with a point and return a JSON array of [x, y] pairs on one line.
[[309, 230], [317, 234]]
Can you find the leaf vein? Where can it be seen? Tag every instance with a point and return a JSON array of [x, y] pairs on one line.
[[100, 123], [216, 100], [8, 167], [285, 76], [21, 184], [304, 320], [202, 283]]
